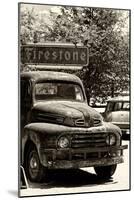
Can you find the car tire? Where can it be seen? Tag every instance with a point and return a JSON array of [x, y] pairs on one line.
[[35, 172], [105, 172]]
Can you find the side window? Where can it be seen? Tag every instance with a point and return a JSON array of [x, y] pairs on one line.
[[126, 106], [109, 107], [118, 106]]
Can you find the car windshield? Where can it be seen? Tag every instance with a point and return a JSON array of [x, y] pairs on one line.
[[61, 91], [118, 106]]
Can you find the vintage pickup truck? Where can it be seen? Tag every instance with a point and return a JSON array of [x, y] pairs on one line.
[[60, 131]]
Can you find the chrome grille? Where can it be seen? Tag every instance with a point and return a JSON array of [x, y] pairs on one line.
[[97, 122], [79, 122], [44, 117], [86, 140]]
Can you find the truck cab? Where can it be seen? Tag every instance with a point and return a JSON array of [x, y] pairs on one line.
[[60, 131]]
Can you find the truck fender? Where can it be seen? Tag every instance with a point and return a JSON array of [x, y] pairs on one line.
[[32, 137]]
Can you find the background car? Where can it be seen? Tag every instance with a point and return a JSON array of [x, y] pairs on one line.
[[117, 112]]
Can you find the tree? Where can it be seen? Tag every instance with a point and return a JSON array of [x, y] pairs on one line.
[[101, 31], [33, 27]]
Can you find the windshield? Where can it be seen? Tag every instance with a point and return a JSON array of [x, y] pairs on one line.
[[61, 91]]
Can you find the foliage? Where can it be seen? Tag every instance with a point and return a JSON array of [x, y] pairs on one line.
[[32, 26], [101, 30], [108, 67]]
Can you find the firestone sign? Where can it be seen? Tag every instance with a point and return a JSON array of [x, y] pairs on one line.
[[54, 55]]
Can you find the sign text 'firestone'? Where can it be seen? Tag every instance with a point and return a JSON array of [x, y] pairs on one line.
[[54, 55]]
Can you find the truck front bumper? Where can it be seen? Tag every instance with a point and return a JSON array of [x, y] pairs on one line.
[[79, 158]]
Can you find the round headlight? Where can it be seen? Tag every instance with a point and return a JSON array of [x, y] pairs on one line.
[[63, 142], [110, 139]]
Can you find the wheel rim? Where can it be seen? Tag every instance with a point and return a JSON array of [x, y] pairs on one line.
[[33, 165]]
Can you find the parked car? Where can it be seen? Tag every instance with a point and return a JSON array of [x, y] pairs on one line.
[[60, 131], [118, 112]]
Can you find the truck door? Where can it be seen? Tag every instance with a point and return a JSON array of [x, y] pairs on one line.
[[25, 102]]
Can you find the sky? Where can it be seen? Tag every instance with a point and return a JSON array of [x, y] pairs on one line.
[[41, 8]]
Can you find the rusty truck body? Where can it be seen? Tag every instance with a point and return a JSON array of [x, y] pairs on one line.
[[60, 131]]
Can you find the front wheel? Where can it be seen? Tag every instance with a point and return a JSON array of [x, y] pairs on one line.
[[34, 170], [105, 172]]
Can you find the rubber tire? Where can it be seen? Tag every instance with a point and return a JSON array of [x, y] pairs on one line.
[[105, 172], [41, 171]]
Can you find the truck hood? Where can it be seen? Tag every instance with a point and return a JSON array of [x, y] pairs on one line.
[[67, 113]]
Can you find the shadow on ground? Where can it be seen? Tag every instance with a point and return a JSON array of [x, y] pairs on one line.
[[70, 178], [13, 193]]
